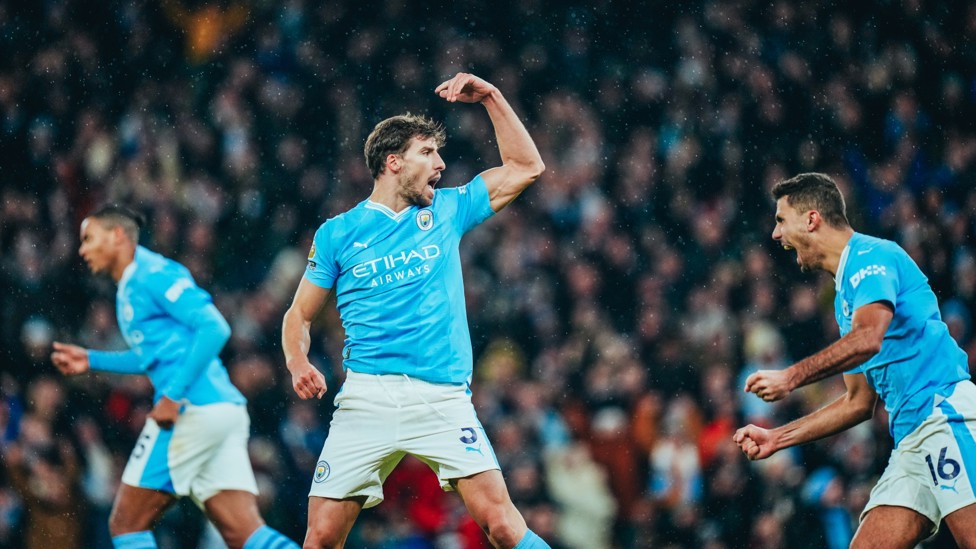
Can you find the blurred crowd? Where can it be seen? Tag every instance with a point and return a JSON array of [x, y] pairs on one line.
[[616, 308]]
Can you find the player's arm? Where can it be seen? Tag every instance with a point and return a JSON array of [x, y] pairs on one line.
[[521, 162], [73, 360], [853, 407], [190, 305], [868, 327], [296, 339]]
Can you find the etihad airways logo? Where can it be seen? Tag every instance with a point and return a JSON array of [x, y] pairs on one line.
[[403, 264], [861, 274]]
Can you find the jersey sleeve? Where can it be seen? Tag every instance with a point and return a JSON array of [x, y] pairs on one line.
[[873, 276], [322, 268], [472, 204], [175, 292]]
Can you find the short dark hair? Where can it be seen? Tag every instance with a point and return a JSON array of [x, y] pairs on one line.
[[118, 215], [393, 135], [814, 191]]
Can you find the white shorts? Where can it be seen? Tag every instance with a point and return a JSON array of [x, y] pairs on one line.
[[933, 469], [381, 418], [204, 453]]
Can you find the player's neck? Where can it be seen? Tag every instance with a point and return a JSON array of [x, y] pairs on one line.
[[385, 193], [834, 242], [124, 259]]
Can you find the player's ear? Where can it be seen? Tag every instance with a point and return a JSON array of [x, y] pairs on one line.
[[813, 220], [393, 162]]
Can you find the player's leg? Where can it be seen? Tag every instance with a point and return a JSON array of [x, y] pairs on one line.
[[134, 513], [225, 484], [486, 498], [454, 444], [330, 520], [962, 524], [357, 457], [891, 527]]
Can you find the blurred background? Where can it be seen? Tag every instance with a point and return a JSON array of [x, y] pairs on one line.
[[616, 308]]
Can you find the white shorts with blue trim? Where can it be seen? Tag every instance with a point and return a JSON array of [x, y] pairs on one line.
[[933, 469], [204, 453], [381, 418]]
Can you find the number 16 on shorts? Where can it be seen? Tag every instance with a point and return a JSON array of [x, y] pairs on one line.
[[944, 470]]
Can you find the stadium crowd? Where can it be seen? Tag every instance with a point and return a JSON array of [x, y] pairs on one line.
[[616, 311]]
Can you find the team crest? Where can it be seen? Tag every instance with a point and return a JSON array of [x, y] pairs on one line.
[[425, 219], [322, 471]]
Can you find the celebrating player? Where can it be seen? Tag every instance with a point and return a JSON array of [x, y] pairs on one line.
[[894, 344], [195, 438], [394, 264]]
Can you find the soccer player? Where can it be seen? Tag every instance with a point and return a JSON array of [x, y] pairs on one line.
[[195, 438], [893, 344], [394, 264]]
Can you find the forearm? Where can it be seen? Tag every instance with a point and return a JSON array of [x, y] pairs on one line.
[[515, 145], [116, 362], [211, 332], [295, 337], [840, 415], [846, 353]]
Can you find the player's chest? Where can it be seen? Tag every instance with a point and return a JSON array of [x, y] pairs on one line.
[[395, 252], [134, 308]]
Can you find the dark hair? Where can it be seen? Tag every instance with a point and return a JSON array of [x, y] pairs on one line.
[[814, 191], [393, 135], [117, 215]]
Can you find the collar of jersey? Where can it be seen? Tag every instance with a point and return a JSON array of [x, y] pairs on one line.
[[395, 216], [843, 263], [129, 269]]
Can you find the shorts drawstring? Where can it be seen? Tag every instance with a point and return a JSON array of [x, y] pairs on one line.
[[418, 393]]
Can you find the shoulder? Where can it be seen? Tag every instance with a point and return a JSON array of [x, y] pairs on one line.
[[865, 248], [154, 266], [342, 223]]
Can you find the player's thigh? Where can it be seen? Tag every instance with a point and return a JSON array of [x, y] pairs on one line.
[[484, 493], [891, 527], [330, 520], [136, 509], [962, 524]]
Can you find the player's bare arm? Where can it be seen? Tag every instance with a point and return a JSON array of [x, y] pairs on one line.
[[521, 162], [868, 327], [307, 381], [853, 407], [70, 359]]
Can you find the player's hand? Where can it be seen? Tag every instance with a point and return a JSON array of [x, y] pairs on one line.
[[165, 412], [70, 359], [307, 381], [755, 442], [769, 385], [466, 88]]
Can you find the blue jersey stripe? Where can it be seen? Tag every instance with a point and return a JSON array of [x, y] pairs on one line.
[[156, 474], [964, 438]]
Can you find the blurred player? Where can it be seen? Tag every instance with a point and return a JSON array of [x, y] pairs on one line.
[[195, 438], [394, 263], [893, 343]]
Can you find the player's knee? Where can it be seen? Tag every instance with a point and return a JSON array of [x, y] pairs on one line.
[[504, 528], [120, 523], [235, 535], [323, 537]]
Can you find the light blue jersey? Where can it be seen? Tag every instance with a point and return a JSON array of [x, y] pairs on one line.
[[174, 332], [918, 359], [398, 284]]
